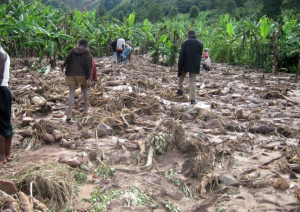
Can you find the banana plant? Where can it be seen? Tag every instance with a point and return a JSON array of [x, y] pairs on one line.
[[264, 27]]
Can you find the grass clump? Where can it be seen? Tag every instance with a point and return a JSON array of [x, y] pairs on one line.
[[52, 181], [104, 171]]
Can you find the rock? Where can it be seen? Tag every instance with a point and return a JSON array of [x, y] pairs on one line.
[[239, 113], [26, 121], [280, 106], [236, 95], [48, 138], [229, 180], [298, 193], [57, 135], [86, 135], [150, 117], [281, 183], [280, 115], [58, 115], [264, 129], [104, 130], [226, 112], [26, 133], [175, 195], [206, 114], [254, 101], [72, 162], [271, 103], [85, 160], [213, 124], [38, 100], [8, 187], [185, 116]]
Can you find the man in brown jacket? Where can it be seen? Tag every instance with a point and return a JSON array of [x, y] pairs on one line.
[[78, 70]]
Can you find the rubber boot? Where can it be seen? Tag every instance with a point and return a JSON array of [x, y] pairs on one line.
[[179, 93], [8, 149], [2, 150]]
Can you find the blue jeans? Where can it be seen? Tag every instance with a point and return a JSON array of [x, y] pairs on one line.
[[125, 53]]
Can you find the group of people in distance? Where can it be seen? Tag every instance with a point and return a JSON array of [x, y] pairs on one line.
[[81, 70], [122, 50]]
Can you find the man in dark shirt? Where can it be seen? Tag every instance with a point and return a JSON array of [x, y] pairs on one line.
[[114, 47], [78, 69], [189, 61]]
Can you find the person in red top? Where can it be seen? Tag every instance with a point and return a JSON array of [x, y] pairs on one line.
[[207, 63]]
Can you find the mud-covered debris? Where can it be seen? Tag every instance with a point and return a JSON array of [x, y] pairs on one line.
[[213, 124], [281, 183], [26, 133], [263, 129], [57, 135]]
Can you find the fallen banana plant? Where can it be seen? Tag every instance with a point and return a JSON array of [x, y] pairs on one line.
[[159, 142]]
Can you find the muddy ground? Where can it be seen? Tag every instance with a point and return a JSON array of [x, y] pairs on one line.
[[237, 149]]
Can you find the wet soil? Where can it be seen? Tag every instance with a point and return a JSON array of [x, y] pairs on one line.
[[249, 115]]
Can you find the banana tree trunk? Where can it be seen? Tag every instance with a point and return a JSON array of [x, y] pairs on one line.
[[107, 49], [275, 50]]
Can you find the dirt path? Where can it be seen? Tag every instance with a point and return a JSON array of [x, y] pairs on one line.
[[247, 123]]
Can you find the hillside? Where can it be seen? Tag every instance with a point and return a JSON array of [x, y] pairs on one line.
[[155, 10]]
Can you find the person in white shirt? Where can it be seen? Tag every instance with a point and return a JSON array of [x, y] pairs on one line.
[[120, 47], [6, 131]]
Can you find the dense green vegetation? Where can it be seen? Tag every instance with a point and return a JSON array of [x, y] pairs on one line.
[[33, 29]]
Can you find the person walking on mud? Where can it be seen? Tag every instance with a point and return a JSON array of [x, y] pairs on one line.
[[78, 70], [189, 62], [6, 131], [114, 48]]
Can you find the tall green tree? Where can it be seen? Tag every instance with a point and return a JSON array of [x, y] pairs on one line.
[[271, 8], [194, 12], [156, 14]]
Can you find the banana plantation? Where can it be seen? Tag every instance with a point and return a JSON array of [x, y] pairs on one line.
[[34, 30]]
